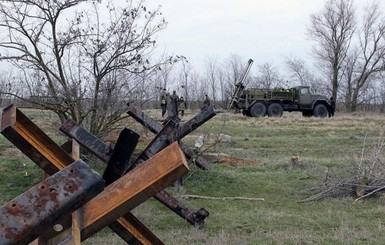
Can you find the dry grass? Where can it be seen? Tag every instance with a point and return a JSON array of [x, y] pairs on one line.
[[12, 152]]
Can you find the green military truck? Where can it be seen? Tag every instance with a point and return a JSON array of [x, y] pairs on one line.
[[256, 102]]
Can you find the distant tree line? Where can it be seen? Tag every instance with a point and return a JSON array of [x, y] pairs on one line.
[[85, 63]]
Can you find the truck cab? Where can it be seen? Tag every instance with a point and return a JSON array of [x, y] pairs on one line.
[[304, 96], [312, 104]]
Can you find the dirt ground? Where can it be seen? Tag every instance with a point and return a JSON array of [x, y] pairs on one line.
[[228, 160]]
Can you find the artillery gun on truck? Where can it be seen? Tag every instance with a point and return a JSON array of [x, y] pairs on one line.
[[256, 102]]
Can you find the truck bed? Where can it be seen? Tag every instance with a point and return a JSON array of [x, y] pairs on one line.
[[275, 94]]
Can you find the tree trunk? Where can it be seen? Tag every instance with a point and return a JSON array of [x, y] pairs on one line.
[[354, 101], [335, 82]]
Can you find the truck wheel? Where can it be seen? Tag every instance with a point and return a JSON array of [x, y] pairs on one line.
[[246, 113], [307, 113], [320, 110], [275, 110], [258, 110]]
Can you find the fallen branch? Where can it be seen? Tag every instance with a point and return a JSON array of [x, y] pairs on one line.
[[335, 189], [370, 193], [223, 198], [348, 188]]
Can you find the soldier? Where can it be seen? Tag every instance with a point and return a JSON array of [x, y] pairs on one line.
[[206, 102], [163, 101], [333, 105], [174, 99], [182, 105]]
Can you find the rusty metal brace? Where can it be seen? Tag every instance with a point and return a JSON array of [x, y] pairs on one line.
[[119, 160], [71, 129], [155, 127], [24, 218], [41, 149]]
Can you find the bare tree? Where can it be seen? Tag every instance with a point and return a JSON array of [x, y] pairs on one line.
[[166, 73], [382, 99], [83, 55], [381, 93], [185, 78], [196, 90], [267, 77], [234, 67], [211, 75], [222, 85], [365, 61], [300, 74], [333, 29]]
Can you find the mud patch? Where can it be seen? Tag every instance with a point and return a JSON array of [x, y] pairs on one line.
[[228, 160]]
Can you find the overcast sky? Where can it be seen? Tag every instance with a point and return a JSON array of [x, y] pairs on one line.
[[264, 30]]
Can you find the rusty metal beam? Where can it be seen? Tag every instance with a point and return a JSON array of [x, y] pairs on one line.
[[166, 136], [89, 141], [32, 141], [118, 162], [195, 218], [41, 149], [144, 119], [134, 188], [136, 231], [169, 133], [71, 235], [172, 109], [129, 191], [70, 128], [23, 218], [155, 127], [186, 128], [197, 121]]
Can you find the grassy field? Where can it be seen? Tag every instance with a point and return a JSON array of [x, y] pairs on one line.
[[256, 163]]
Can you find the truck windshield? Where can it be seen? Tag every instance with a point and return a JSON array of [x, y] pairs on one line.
[[304, 90]]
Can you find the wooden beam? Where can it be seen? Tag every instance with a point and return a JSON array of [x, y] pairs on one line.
[[76, 216], [73, 148]]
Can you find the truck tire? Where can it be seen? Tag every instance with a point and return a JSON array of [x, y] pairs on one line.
[[246, 113], [258, 110], [321, 111], [307, 113], [275, 110]]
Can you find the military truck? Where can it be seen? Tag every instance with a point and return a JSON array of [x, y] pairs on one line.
[[255, 102]]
